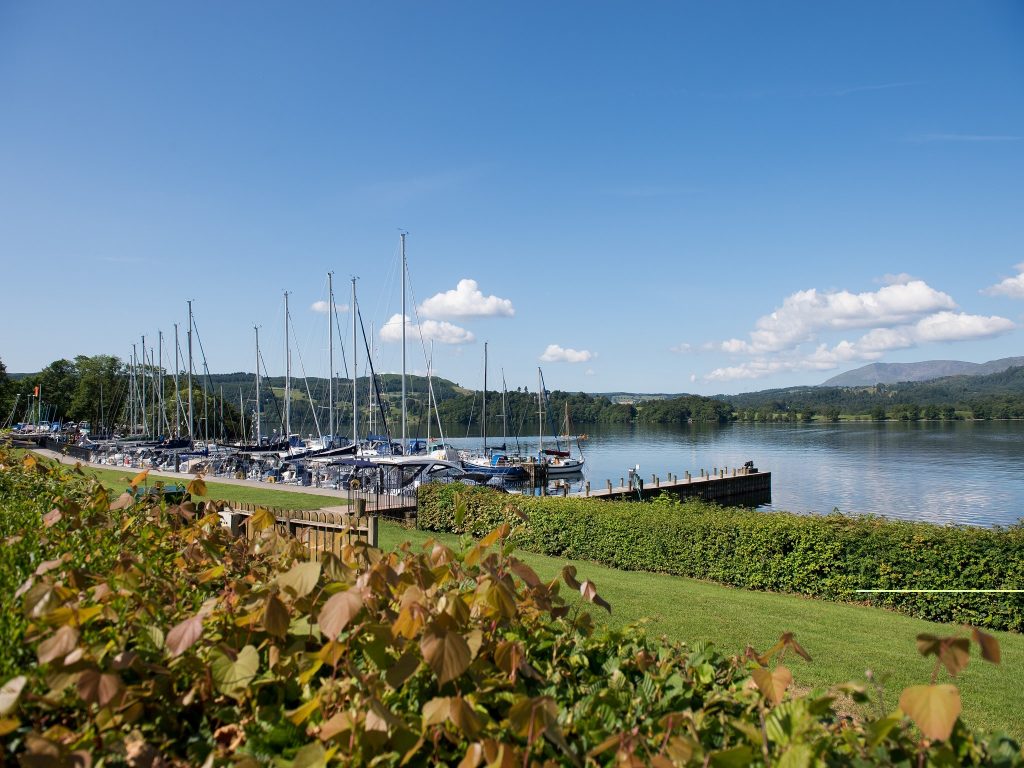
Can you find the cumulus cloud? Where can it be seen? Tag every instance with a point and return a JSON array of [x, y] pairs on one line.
[[323, 306], [805, 313], [1011, 286], [441, 332], [466, 300], [680, 349], [939, 327], [556, 354]]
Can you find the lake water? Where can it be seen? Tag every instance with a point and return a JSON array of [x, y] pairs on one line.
[[942, 472]]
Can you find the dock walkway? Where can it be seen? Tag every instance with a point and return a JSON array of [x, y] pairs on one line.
[[739, 486]]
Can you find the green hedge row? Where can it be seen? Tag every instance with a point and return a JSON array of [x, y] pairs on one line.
[[825, 556]]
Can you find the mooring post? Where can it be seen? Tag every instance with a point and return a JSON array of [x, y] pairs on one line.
[[588, 488], [609, 486]]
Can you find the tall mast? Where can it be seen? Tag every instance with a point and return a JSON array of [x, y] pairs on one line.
[[241, 415], [355, 369], [430, 389], [404, 442], [483, 418], [287, 375], [134, 389], [259, 434], [177, 392], [330, 363], [160, 369], [504, 409], [540, 412], [191, 433], [142, 397]]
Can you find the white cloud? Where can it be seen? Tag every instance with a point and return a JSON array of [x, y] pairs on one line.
[[805, 313], [441, 332], [693, 377], [935, 328], [322, 307], [557, 354], [681, 349], [466, 300], [1011, 286], [589, 372]]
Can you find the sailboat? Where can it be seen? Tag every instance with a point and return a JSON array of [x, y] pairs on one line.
[[494, 463], [559, 463]]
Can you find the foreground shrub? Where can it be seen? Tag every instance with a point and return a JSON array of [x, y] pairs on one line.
[[158, 639], [826, 556]]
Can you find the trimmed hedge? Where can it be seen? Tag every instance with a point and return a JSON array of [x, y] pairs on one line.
[[824, 556]]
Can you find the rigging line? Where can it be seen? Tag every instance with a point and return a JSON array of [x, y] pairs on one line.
[[373, 377], [428, 362], [273, 397], [206, 372], [504, 389], [305, 380]]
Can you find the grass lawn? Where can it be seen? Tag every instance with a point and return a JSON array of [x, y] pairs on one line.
[[118, 479], [843, 640]]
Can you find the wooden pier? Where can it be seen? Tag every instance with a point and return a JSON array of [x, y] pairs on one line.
[[725, 486]]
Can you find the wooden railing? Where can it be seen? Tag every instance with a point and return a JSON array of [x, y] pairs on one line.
[[320, 530]]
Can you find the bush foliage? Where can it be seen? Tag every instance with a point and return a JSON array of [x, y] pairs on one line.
[[825, 556], [148, 636]]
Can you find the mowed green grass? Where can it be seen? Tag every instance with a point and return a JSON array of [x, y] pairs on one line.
[[844, 640], [119, 479]]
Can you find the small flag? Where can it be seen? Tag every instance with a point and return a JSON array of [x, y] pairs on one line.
[[37, 392]]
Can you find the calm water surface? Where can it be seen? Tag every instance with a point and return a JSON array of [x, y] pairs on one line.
[[960, 472]]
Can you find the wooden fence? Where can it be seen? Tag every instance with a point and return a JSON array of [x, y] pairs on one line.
[[320, 530]]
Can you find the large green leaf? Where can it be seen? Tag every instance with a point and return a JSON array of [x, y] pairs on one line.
[[934, 708], [300, 578], [232, 676]]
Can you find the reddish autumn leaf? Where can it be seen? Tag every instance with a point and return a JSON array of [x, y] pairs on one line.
[[122, 502], [589, 592], [99, 688], [989, 646], [184, 634], [58, 645], [773, 683], [275, 616], [446, 651], [339, 611]]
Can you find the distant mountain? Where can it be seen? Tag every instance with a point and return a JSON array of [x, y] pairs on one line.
[[892, 373]]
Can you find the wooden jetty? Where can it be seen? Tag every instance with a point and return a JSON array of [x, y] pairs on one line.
[[736, 486]]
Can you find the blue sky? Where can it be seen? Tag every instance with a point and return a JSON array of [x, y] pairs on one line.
[[703, 197]]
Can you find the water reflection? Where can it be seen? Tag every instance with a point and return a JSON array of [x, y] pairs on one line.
[[959, 472]]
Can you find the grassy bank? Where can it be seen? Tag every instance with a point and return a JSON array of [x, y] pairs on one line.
[[843, 640], [119, 479]]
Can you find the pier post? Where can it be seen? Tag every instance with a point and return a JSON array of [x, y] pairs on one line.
[[588, 488], [609, 486]]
